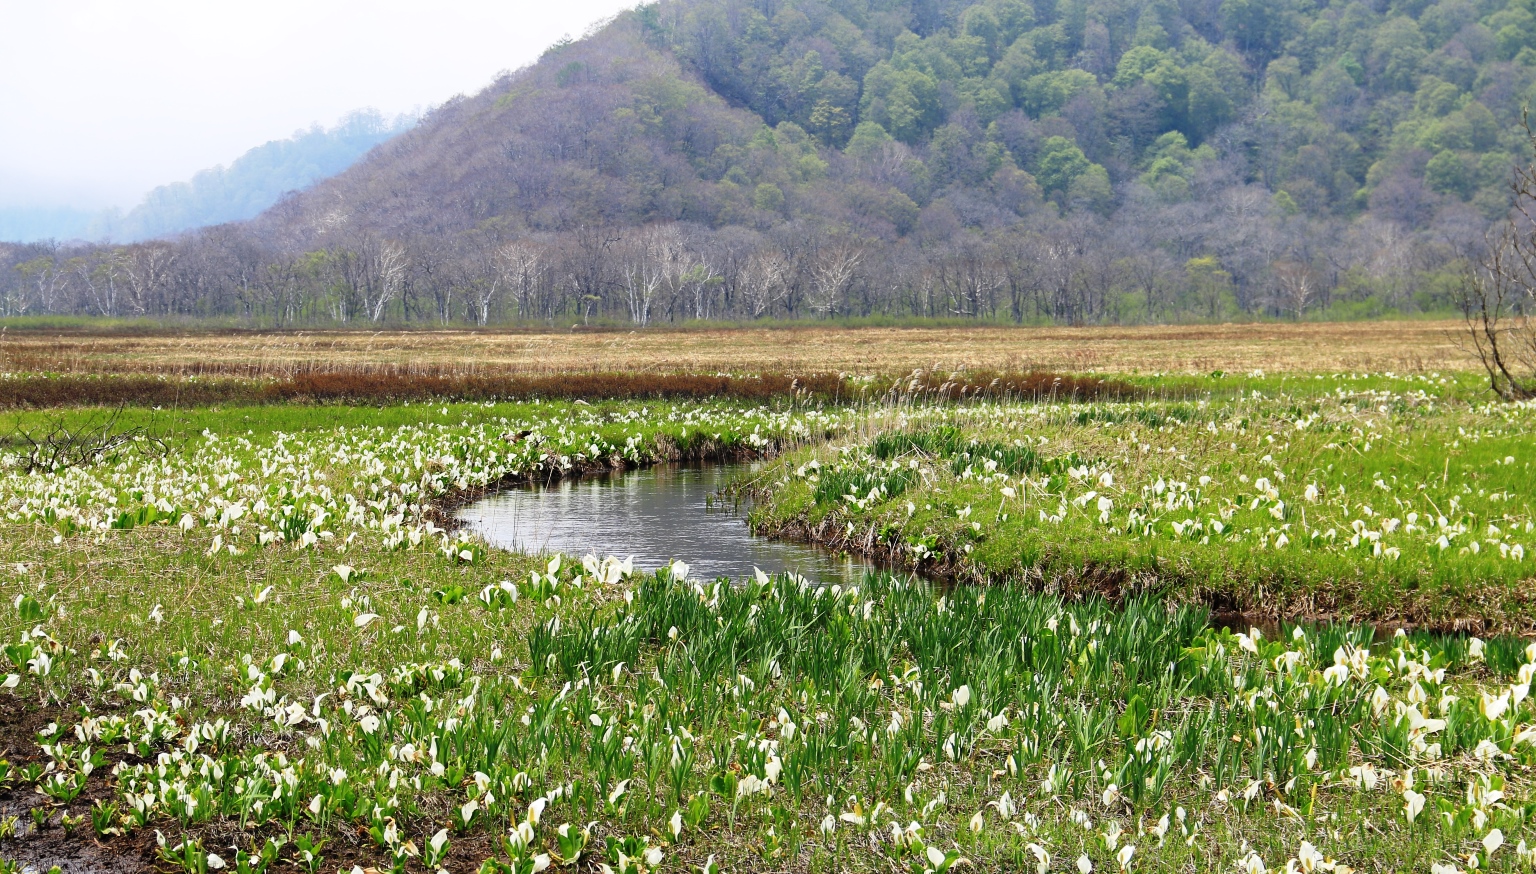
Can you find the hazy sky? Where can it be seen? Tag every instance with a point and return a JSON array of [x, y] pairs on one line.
[[101, 100]]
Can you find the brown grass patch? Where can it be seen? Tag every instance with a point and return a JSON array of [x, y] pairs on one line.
[[1034, 385], [79, 390], [382, 388], [373, 387], [389, 388], [1323, 347]]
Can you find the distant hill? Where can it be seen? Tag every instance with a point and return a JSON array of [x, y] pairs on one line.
[[256, 179], [1054, 160], [250, 184]]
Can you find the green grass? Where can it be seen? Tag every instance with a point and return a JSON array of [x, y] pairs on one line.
[[1310, 498], [266, 624]]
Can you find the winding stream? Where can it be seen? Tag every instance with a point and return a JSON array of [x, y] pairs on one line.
[[656, 514]]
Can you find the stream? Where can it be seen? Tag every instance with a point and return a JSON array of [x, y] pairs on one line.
[[654, 514]]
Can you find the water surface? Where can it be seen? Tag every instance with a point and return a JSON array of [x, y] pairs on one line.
[[656, 515]]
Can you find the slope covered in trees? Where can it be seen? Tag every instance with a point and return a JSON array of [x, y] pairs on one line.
[[1067, 160]]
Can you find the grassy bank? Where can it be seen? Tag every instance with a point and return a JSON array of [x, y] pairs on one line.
[[253, 646], [1394, 500]]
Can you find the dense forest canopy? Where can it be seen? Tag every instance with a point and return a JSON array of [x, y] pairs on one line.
[[1054, 160]]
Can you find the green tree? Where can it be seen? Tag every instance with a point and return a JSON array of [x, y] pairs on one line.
[[867, 140], [1059, 163], [1136, 63], [1049, 92], [1436, 97], [829, 122], [904, 102], [768, 197], [1447, 173], [1514, 29], [1259, 27], [1209, 105], [1171, 83], [1211, 288], [1397, 50], [1091, 190], [981, 23], [1284, 76], [1150, 30]]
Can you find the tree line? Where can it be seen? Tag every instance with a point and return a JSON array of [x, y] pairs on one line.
[[1070, 161], [1239, 258]]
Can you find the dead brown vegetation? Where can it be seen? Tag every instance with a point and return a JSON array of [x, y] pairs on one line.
[[1313, 347], [1035, 385], [363, 386], [112, 390], [381, 387]]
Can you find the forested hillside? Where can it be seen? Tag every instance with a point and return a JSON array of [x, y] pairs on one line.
[[1055, 160]]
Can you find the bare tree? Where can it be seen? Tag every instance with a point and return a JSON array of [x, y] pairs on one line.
[[681, 267], [519, 266], [1391, 257], [969, 275], [762, 282], [702, 278], [588, 266], [651, 257], [833, 272], [389, 267], [1297, 284], [145, 269], [1496, 299], [46, 277], [1497, 293], [372, 273], [1150, 271], [279, 285], [98, 278]]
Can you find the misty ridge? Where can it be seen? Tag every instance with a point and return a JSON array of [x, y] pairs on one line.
[[250, 184], [1069, 161]]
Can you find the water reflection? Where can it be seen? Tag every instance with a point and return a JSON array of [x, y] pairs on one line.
[[656, 515]]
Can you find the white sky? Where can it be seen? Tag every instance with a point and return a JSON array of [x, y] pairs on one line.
[[102, 100]]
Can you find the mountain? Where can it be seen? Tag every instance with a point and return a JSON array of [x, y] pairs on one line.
[[250, 184], [1054, 160], [255, 180]]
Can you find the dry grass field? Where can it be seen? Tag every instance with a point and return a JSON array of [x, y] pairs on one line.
[[1360, 346]]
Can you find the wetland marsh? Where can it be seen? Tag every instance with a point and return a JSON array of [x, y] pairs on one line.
[[258, 644]]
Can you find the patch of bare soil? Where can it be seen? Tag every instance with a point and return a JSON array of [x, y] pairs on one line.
[[41, 835]]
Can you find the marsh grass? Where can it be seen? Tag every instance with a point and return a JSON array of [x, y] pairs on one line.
[[898, 711], [1405, 502], [263, 651]]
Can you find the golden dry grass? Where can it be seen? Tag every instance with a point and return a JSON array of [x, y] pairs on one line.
[[1357, 346]]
